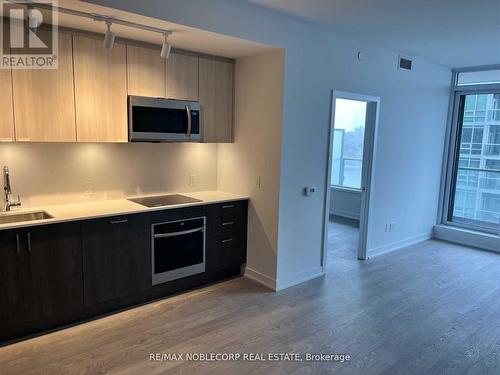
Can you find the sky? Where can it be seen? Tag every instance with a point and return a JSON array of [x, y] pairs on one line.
[[349, 114]]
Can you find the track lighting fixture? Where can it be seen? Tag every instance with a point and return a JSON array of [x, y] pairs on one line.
[[165, 48], [35, 19], [109, 37]]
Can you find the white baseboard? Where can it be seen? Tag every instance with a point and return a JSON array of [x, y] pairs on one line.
[[398, 245], [299, 278], [260, 278], [349, 215], [467, 237]]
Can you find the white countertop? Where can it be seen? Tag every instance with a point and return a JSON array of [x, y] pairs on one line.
[[91, 210]]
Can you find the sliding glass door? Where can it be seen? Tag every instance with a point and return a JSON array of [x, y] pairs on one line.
[[474, 199]]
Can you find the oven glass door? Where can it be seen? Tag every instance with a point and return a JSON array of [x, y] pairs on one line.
[[179, 250]]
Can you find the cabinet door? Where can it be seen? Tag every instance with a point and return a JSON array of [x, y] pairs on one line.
[[116, 257], [6, 108], [182, 77], [54, 270], [40, 273], [44, 99], [13, 284], [100, 91], [216, 98], [145, 72]]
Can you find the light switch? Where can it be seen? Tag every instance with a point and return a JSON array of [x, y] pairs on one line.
[[309, 190]]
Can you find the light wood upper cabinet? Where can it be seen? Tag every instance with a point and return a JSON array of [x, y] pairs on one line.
[[100, 90], [6, 109], [44, 99], [182, 76], [145, 71], [216, 98]]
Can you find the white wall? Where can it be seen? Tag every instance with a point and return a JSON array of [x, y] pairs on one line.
[[256, 152], [46, 174], [346, 203], [410, 137]]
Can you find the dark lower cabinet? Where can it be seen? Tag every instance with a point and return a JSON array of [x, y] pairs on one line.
[[225, 252], [116, 257], [57, 274], [40, 274], [227, 235]]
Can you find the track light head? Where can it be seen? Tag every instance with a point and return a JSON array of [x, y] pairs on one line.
[[34, 18], [165, 48], [109, 37]]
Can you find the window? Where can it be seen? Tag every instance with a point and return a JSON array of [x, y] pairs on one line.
[[482, 77], [474, 197], [348, 139]]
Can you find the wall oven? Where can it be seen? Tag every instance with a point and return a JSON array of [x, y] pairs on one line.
[[178, 249], [163, 120]]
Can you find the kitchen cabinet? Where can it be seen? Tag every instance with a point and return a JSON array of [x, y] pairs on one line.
[[100, 90], [40, 273], [182, 76], [227, 235], [146, 71], [116, 257], [85, 99], [44, 99], [55, 274], [6, 108], [216, 90]]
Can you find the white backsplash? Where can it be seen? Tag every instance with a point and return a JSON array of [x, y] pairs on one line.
[[51, 173]]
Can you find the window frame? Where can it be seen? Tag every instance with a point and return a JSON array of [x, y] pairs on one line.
[[453, 137]]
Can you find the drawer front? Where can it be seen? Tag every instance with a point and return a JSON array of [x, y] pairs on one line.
[[227, 219], [177, 214], [225, 252]]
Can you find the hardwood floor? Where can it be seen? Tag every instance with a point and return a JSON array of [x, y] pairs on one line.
[[343, 235], [433, 308]]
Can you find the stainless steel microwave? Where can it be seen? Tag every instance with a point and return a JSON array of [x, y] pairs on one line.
[[163, 120]]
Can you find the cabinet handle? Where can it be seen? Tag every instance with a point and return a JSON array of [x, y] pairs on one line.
[[29, 242], [18, 246], [119, 221], [226, 241], [228, 223], [228, 206]]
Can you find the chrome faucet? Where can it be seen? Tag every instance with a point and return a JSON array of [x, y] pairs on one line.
[[8, 191]]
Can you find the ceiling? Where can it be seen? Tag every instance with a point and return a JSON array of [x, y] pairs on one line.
[[183, 37], [454, 33]]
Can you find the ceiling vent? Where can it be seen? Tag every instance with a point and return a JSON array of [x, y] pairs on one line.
[[405, 63]]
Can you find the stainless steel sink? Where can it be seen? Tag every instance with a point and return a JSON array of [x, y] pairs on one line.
[[18, 217]]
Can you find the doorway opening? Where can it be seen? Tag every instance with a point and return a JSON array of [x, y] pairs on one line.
[[350, 164]]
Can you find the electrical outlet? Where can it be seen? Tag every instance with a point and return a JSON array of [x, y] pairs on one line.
[[390, 226], [192, 180], [88, 189], [258, 182]]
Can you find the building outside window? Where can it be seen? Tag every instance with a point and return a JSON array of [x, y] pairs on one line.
[[477, 185], [348, 139]]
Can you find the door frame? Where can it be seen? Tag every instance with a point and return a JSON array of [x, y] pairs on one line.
[[371, 127]]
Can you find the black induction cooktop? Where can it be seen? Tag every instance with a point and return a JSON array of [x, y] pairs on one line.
[[164, 200]]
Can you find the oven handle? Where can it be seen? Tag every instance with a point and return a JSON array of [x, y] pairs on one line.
[[189, 231]]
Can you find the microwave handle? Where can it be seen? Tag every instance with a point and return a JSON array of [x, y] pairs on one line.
[[188, 112]]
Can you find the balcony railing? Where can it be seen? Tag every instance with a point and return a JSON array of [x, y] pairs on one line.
[[484, 184], [491, 149], [349, 172]]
